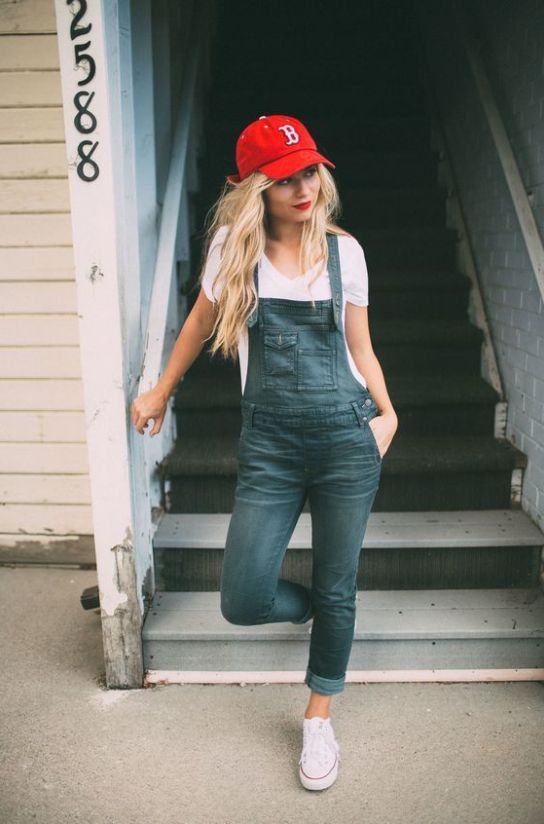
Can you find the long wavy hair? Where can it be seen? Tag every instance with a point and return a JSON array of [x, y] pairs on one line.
[[241, 208]]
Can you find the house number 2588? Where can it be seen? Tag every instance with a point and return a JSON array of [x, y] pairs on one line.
[[84, 120]]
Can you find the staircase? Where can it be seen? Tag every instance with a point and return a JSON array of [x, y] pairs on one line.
[[449, 577]]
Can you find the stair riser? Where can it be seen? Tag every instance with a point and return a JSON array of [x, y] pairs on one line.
[[199, 570], [373, 654], [402, 492], [473, 420]]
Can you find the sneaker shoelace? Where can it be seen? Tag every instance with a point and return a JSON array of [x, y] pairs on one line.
[[317, 746]]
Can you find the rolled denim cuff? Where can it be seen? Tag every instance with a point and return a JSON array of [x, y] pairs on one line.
[[325, 686]]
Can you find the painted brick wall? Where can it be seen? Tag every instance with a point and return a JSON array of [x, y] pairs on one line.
[[511, 37]]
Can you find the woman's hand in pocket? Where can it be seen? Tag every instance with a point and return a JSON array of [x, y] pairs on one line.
[[383, 428], [147, 406]]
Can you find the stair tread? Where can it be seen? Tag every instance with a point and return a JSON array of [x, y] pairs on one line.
[[215, 453], [387, 530], [403, 614]]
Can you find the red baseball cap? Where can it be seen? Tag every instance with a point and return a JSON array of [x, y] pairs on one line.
[[276, 145]]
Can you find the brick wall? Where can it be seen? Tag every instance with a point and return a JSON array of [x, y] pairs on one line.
[[511, 37]]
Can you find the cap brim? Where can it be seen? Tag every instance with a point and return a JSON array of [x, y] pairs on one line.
[[289, 164]]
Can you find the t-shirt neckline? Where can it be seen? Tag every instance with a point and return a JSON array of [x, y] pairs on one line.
[[276, 271]]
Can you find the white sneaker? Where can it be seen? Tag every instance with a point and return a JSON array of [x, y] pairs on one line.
[[318, 763]]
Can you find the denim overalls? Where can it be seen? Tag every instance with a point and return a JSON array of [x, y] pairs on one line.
[[304, 433]]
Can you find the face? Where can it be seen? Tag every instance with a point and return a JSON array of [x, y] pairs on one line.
[[283, 197]]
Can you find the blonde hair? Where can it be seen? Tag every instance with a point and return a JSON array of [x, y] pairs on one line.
[[242, 210]]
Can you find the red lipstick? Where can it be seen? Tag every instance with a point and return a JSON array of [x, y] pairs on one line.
[[305, 205]]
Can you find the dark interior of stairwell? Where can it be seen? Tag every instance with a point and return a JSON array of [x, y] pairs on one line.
[[351, 73]]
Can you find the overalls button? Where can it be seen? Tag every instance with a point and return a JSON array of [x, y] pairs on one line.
[[365, 418], [368, 402]]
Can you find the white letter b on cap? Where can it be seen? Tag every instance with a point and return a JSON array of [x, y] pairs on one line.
[[290, 133]]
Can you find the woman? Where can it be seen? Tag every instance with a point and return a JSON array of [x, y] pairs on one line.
[[316, 416]]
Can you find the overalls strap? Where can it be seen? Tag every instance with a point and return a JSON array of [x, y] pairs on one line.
[[335, 282], [335, 279]]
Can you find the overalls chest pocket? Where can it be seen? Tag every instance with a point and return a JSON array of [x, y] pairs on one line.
[[301, 359], [279, 357]]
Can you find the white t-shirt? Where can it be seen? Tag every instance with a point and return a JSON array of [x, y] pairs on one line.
[[272, 284]]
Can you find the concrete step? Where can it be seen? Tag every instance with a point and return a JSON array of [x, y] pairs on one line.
[[402, 550], [185, 634]]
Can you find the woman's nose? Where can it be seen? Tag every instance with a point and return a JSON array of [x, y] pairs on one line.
[[302, 188]]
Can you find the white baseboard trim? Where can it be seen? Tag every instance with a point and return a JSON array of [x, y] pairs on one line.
[[352, 676]]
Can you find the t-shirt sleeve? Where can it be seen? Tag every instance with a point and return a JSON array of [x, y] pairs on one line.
[[354, 271], [211, 267]]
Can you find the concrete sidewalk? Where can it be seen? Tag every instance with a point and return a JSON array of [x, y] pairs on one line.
[[73, 751]]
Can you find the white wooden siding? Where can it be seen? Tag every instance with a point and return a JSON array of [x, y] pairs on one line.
[[33, 52], [34, 196], [35, 263], [33, 160], [27, 17], [44, 482], [46, 426], [45, 489], [20, 125], [30, 88]]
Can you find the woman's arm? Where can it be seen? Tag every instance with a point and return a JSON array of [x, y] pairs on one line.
[[197, 327], [358, 340]]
